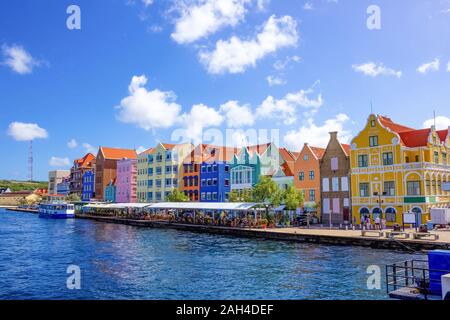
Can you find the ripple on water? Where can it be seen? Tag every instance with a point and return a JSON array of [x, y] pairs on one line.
[[124, 262]]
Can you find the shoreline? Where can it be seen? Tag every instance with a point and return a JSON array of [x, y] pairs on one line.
[[314, 236]]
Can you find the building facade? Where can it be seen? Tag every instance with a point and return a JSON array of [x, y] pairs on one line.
[[88, 186], [55, 177], [126, 182], [80, 166], [106, 167], [63, 188], [335, 182], [110, 191], [190, 173], [142, 175], [396, 169], [307, 177], [162, 170]]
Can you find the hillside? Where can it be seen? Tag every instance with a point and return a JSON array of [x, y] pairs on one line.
[[23, 185]]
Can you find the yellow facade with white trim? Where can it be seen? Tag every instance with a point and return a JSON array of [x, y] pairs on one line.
[[417, 175]]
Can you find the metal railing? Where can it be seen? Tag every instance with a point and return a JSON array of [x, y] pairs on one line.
[[413, 274]]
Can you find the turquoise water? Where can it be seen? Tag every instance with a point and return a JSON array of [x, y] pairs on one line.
[[124, 262]]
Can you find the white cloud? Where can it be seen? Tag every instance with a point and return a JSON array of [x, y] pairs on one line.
[[237, 115], [18, 59], [284, 63], [262, 4], [236, 55], [286, 108], [316, 135], [148, 109], [442, 123], [200, 18], [275, 81], [141, 149], [373, 70], [448, 66], [89, 148], [308, 6], [430, 66], [147, 3], [26, 131], [200, 117], [72, 144], [59, 162]]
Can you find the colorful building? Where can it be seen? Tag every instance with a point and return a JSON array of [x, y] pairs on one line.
[[80, 166], [215, 182], [110, 191], [142, 175], [126, 183], [88, 186], [335, 182], [162, 170], [63, 188], [190, 173], [396, 169], [55, 177], [284, 175], [106, 167], [307, 177], [250, 163]]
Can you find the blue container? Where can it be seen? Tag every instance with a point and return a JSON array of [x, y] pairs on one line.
[[438, 260]]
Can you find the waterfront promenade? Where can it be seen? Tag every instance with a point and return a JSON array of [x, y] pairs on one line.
[[312, 235]]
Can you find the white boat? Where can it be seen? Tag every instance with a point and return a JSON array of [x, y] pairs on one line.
[[56, 210]]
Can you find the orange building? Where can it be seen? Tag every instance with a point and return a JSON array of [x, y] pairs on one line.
[[106, 167], [307, 176], [190, 173]]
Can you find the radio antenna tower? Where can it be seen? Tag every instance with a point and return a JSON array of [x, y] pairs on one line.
[[30, 161]]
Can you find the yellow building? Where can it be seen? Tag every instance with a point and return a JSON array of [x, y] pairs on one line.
[[159, 171], [396, 169]]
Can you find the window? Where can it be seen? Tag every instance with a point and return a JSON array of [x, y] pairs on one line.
[[389, 188], [326, 205], [150, 171], [413, 188], [169, 182], [150, 196], [364, 189], [444, 158], [227, 168], [391, 215], [388, 159], [325, 185], [363, 160], [336, 205], [372, 123], [208, 196], [305, 157], [150, 183], [436, 157], [334, 164], [158, 170], [311, 175], [301, 176], [214, 196], [335, 184], [373, 141], [203, 196], [168, 169], [215, 168], [417, 158], [344, 184], [158, 183], [312, 195], [203, 169]]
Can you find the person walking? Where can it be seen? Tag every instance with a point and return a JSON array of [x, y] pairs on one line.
[[377, 223]]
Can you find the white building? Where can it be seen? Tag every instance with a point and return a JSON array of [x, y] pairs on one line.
[[54, 178]]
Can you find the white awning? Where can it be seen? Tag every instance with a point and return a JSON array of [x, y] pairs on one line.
[[229, 206], [116, 205]]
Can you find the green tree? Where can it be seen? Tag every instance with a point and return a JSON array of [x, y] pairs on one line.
[[73, 198], [245, 195], [177, 196], [267, 192], [292, 198]]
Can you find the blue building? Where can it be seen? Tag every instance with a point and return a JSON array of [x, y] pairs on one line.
[[88, 186], [110, 191], [215, 185], [63, 188]]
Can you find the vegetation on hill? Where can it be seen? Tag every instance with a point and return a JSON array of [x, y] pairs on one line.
[[23, 185]]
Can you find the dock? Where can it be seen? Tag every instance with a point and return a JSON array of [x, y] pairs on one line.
[[34, 211], [304, 235]]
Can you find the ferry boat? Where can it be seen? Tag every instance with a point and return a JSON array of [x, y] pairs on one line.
[[56, 210]]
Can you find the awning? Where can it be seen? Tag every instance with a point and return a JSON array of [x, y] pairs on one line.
[[229, 206]]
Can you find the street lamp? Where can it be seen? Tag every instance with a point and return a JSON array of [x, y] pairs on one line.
[[380, 201]]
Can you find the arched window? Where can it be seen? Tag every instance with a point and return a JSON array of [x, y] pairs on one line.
[[416, 210], [377, 213], [391, 215], [364, 213]]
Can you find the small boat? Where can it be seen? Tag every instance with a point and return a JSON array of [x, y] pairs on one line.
[[56, 210]]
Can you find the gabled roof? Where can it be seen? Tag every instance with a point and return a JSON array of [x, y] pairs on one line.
[[346, 148], [168, 146], [287, 169], [259, 148], [286, 155], [148, 151], [85, 162], [117, 154], [319, 152], [387, 122]]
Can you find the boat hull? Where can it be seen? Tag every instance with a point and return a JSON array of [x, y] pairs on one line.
[[56, 215]]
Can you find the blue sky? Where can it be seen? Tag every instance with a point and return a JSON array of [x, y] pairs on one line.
[[138, 71]]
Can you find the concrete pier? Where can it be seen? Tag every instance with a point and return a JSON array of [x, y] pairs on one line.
[[316, 236]]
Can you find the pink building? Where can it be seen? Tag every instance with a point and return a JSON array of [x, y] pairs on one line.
[[126, 183]]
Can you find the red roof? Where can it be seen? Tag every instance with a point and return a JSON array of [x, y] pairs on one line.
[[117, 154], [387, 122], [319, 152], [346, 148], [419, 138], [86, 162], [286, 155], [168, 146], [288, 171]]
